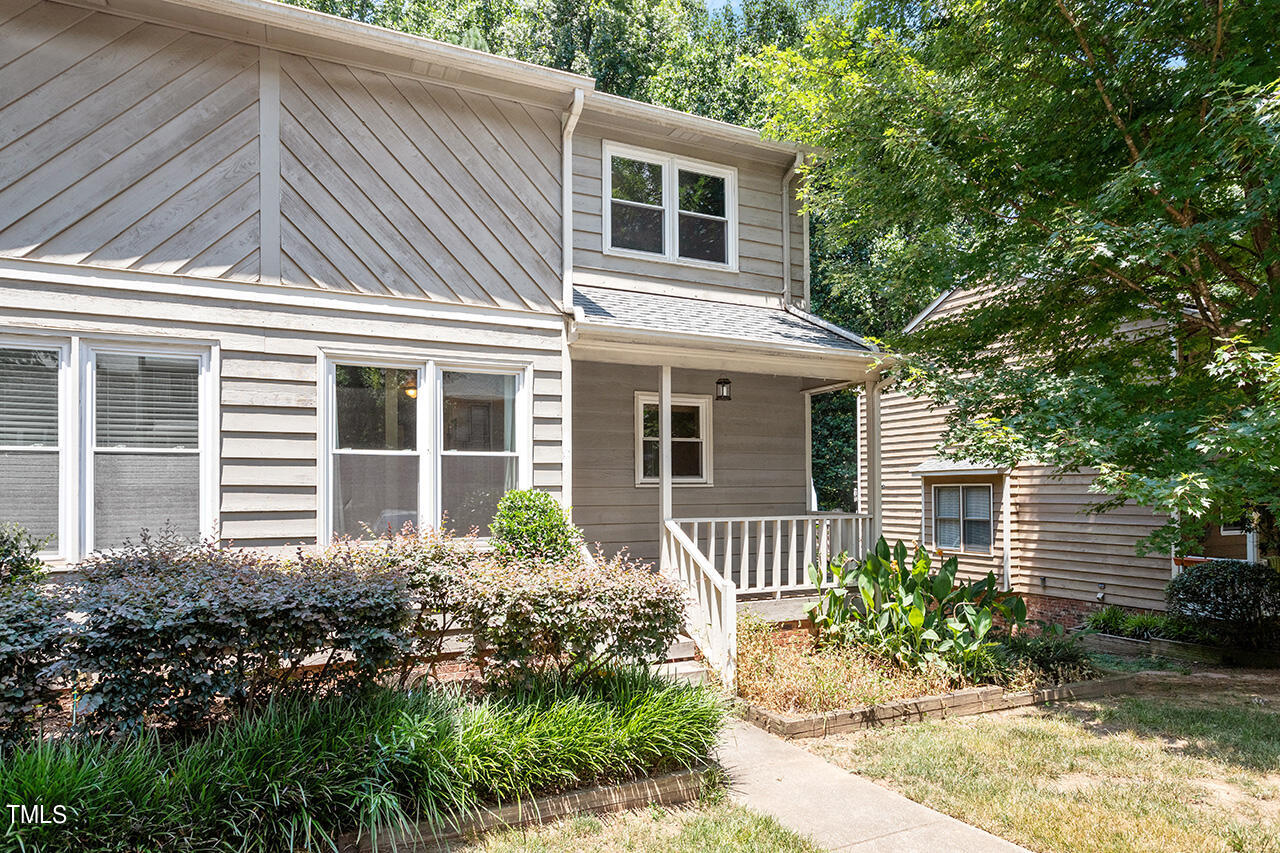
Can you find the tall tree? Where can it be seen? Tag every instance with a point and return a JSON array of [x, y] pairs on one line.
[[1114, 167]]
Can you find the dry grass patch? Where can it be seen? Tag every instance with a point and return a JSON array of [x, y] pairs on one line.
[[782, 672], [705, 827], [1172, 770]]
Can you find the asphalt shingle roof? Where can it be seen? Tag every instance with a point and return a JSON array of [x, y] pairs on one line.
[[678, 314]]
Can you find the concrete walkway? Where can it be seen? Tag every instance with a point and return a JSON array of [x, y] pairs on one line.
[[835, 808]]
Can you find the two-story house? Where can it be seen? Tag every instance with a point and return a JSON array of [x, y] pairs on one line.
[[271, 276]]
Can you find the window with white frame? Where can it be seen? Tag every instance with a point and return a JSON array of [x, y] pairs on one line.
[[690, 438], [141, 457], [677, 209], [962, 518], [31, 436], [423, 444]]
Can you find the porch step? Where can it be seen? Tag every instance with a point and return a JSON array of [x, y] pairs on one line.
[[682, 649], [693, 671]]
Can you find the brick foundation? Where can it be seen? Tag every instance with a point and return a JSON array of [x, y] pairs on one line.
[[1068, 612]]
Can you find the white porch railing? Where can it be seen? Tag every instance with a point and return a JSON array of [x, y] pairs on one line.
[[712, 619], [715, 559]]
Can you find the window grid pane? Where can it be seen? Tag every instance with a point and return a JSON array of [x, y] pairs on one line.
[[636, 181], [375, 408], [28, 397], [146, 401]]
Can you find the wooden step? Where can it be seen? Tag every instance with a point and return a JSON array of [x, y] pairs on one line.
[[692, 671], [682, 649]]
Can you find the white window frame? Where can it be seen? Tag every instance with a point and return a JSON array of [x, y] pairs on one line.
[[430, 443], [990, 519], [671, 165], [704, 404], [65, 523], [77, 436]]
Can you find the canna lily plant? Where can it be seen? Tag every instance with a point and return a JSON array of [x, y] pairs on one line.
[[893, 602]]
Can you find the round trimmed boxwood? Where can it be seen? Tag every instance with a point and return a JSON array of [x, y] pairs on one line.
[[532, 525], [1235, 600]]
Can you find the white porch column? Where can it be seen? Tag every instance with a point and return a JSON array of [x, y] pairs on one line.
[[1006, 528], [664, 441], [874, 497]]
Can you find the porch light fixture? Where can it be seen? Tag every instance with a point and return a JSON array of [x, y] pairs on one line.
[[724, 389], [411, 390]]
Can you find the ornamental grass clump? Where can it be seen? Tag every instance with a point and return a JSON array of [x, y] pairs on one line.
[[296, 774]]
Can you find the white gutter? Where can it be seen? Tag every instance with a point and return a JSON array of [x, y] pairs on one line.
[[566, 299], [566, 199], [786, 228]]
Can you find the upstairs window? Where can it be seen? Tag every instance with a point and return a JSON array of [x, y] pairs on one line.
[[668, 207]]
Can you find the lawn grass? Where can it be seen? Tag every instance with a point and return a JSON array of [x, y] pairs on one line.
[[705, 827], [1168, 771]]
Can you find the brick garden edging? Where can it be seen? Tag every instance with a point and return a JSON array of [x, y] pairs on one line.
[[973, 700], [668, 789]]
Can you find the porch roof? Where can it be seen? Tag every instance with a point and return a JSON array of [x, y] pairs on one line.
[[785, 328]]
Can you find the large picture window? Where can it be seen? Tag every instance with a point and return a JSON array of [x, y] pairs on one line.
[[669, 207], [102, 439], [962, 518], [423, 443], [690, 438]]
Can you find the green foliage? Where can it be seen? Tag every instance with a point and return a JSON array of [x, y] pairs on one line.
[[18, 560], [834, 426], [529, 620], [1114, 169], [297, 773], [532, 525], [33, 630], [1054, 657], [1234, 600], [176, 630], [891, 602]]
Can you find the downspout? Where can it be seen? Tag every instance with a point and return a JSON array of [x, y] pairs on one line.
[[566, 298], [786, 229]]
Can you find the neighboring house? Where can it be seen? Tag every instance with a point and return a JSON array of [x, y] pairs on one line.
[[1028, 524], [270, 276]]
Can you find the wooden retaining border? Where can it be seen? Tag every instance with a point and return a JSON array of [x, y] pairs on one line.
[[973, 700], [1177, 650], [668, 789]]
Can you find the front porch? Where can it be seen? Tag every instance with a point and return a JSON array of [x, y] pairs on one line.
[[691, 444]]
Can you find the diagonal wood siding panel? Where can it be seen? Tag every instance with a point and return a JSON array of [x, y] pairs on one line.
[[126, 144], [391, 185]]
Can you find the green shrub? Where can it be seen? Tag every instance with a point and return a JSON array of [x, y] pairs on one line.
[[295, 774], [178, 630], [18, 560], [1235, 600], [899, 608], [1108, 620], [532, 525], [529, 619], [1052, 656], [33, 630]]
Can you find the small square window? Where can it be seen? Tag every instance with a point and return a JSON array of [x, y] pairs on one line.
[[962, 518], [690, 439]]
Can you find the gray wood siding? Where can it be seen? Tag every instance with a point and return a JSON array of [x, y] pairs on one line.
[[759, 271], [1057, 548], [758, 449], [126, 144], [269, 381], [391, 185]]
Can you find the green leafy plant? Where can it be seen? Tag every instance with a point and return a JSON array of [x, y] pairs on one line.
[[892, 602], [1108, 620], [530, 619], [19, 562], [530, 524], [1052, 656], [1232, 599]]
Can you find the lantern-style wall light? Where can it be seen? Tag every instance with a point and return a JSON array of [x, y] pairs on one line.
[[724, 389]]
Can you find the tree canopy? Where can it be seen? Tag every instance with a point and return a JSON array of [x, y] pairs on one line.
[[1110, 173]]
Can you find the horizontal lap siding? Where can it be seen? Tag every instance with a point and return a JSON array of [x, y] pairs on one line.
[[759, 227], [758, 449], [1057, 548], [126, 144], [268, 383]]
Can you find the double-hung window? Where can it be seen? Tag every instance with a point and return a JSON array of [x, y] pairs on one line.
[[31, 438], [422, 443], [97, 447], [962, 518], [669, 207], [690, 439]]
